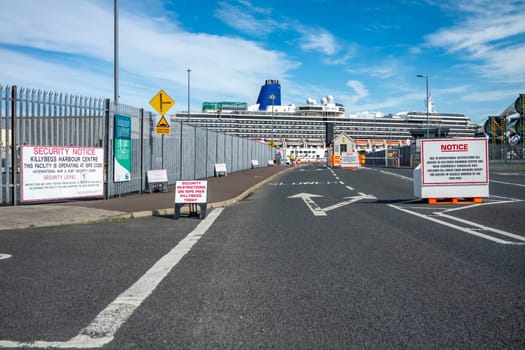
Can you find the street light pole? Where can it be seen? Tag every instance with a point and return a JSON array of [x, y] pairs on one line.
[[426, 83], [272, 97], [115, 52], [189, 70]]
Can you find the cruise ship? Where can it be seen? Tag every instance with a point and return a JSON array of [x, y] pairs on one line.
[[312, 126]]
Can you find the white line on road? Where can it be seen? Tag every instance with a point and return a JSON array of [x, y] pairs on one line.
[[103, 328], [507, 183], [396, 175], [461, 228], [482, 227], [4, 256]]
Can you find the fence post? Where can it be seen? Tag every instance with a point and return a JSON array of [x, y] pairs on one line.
[[14, 141], [142, 182], [106, 146]]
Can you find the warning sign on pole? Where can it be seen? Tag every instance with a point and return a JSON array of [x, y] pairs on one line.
[[163, 127], [162, 102]]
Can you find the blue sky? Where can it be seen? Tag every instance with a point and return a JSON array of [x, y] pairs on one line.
[[366, 54]]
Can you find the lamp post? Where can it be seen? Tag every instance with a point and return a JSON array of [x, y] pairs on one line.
[[426, 81], [115, 51], [189, 70], [272, 97]]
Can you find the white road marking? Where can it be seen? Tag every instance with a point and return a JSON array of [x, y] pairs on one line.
[[396, 175], [350, 201], [102, 329], [5, 256], [511, 174], [507, 183], [350, 188], [318, 211], [461, 228], [482, 227], [507, 200], [307, 198]]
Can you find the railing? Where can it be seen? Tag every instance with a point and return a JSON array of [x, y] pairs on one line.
[[35, 117]]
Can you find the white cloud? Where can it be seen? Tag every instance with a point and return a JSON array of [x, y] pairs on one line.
[[317, 40], [153, 54], [483, 37], [484, 96], [257, 21], [79, 27], [359, 89], [242, 17]]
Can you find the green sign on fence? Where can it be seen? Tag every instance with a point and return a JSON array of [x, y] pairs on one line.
[[122, 149]]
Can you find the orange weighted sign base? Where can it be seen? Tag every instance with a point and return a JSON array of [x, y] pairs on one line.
[[454, 200]]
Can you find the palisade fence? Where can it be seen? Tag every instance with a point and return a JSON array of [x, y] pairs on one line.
[[36, 117]]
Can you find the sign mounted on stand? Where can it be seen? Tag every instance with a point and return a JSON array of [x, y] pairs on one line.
[[349, 160], [191, 192], [453, 168], [448, 162]]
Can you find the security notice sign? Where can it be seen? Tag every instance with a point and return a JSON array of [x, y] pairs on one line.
[[56, 172], [454, 161], [191, 191]]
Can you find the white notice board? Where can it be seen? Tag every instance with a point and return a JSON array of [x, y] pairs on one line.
[[454, 161]]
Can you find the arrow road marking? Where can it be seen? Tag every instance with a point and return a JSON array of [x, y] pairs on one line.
[[4, 256], [307, 198], [349, 201], [318, 211]]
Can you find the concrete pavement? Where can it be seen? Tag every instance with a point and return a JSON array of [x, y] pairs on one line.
[[222, 191]]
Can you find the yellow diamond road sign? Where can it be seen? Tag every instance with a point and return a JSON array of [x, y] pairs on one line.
[[163, 127], [162, 102]]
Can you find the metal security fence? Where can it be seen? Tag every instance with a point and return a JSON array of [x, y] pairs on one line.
[[392, 158], [35, 117]]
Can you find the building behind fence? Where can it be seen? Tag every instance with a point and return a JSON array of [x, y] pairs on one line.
[[35, 117]]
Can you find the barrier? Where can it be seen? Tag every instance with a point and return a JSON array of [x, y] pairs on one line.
[[255, 163]]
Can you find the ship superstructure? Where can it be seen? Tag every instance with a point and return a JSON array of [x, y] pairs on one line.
[[313, 125]]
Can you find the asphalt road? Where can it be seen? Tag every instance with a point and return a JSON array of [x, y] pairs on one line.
[[317, 259]]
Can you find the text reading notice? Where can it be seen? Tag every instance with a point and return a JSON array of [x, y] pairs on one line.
[[455, 161]]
